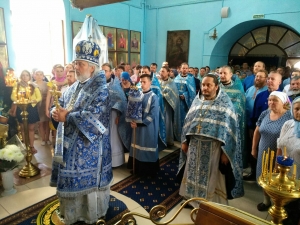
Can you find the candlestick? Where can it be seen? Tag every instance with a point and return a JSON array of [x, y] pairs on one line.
[[267, 161], [294, 170], [271, 165], [263, 163]]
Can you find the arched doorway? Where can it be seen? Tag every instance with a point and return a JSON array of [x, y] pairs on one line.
[[274, 45]]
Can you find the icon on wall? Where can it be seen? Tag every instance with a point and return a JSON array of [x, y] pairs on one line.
[[122, 40], [177, 47], [135, 41], [111, 34]]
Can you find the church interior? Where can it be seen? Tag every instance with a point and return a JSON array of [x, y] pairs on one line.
[[220, 32]]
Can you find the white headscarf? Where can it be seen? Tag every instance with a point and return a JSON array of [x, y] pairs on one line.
[[281, 95]]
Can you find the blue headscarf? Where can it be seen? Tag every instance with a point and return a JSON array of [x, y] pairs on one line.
[[126, 76], [297, 123]]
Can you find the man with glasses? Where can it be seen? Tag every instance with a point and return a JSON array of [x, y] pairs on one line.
[[260, 84]]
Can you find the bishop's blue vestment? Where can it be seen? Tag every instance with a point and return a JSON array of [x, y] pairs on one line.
[[82, 169]]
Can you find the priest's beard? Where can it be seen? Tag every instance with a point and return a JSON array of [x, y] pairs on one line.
[[82, 77]]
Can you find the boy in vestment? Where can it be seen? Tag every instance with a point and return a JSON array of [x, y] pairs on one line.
[[144, 144]]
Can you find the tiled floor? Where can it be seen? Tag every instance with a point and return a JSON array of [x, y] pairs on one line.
[[38, 190]]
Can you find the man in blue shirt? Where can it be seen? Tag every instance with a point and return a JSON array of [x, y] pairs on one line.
[[260, 85], [249, 80]]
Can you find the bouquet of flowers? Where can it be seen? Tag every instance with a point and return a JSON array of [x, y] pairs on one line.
[[10, 156]]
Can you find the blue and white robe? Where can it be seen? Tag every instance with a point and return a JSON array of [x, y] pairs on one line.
[[155, 87], [119, 134], [236, 93], [186, 86], [82, 169], [146, 140], [219, 133], [172, 109]]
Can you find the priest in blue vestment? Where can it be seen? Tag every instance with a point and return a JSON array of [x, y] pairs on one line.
[[187, 90], [235, 91], [82, 170], [144, 144], [211, 150], [171, 104], [120, 130]]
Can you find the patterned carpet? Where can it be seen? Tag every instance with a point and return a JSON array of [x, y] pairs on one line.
[[147, 191]]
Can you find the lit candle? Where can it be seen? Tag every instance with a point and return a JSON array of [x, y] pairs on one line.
[[284, 152], [271, 165], [294, 171], [263, 163]]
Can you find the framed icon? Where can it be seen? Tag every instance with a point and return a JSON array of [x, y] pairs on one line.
[[134, 59], [111, 35], [122, 57], [135, 41], [112, 59], [76, 26], [177, 47], [122, 40]]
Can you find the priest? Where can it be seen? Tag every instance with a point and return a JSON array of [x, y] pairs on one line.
[[171, 106], [185, 84], [82, 170], [235, 91], [211, 156]]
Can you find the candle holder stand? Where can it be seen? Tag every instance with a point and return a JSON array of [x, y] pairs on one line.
[[281, 188], [29, 170]]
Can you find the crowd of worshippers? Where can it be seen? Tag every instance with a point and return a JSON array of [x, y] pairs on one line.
[[227, 117]]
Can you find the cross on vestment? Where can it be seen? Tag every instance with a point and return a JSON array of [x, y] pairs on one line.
[[199, 128], [181, 87]]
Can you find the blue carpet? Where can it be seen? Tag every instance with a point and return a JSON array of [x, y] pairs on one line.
[[151, 191], [147, 191]]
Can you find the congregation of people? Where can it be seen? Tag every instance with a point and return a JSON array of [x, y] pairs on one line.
[[224, 118]]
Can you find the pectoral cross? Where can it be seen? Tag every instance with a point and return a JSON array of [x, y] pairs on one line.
[[198, 128], [90, 37]]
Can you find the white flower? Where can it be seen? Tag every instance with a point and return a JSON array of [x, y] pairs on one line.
[[11, 153]]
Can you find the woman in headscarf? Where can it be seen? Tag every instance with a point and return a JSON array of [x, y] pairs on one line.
[[126, 83], [289, 139], [33, 115], [267, 132]]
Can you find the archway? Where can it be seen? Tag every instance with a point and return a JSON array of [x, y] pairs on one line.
[[279, 40]]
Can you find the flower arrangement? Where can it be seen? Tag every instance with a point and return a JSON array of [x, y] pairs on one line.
[[10, 156]]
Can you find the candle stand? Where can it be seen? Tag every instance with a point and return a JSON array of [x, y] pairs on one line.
[[281, 188], [29, 170]]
